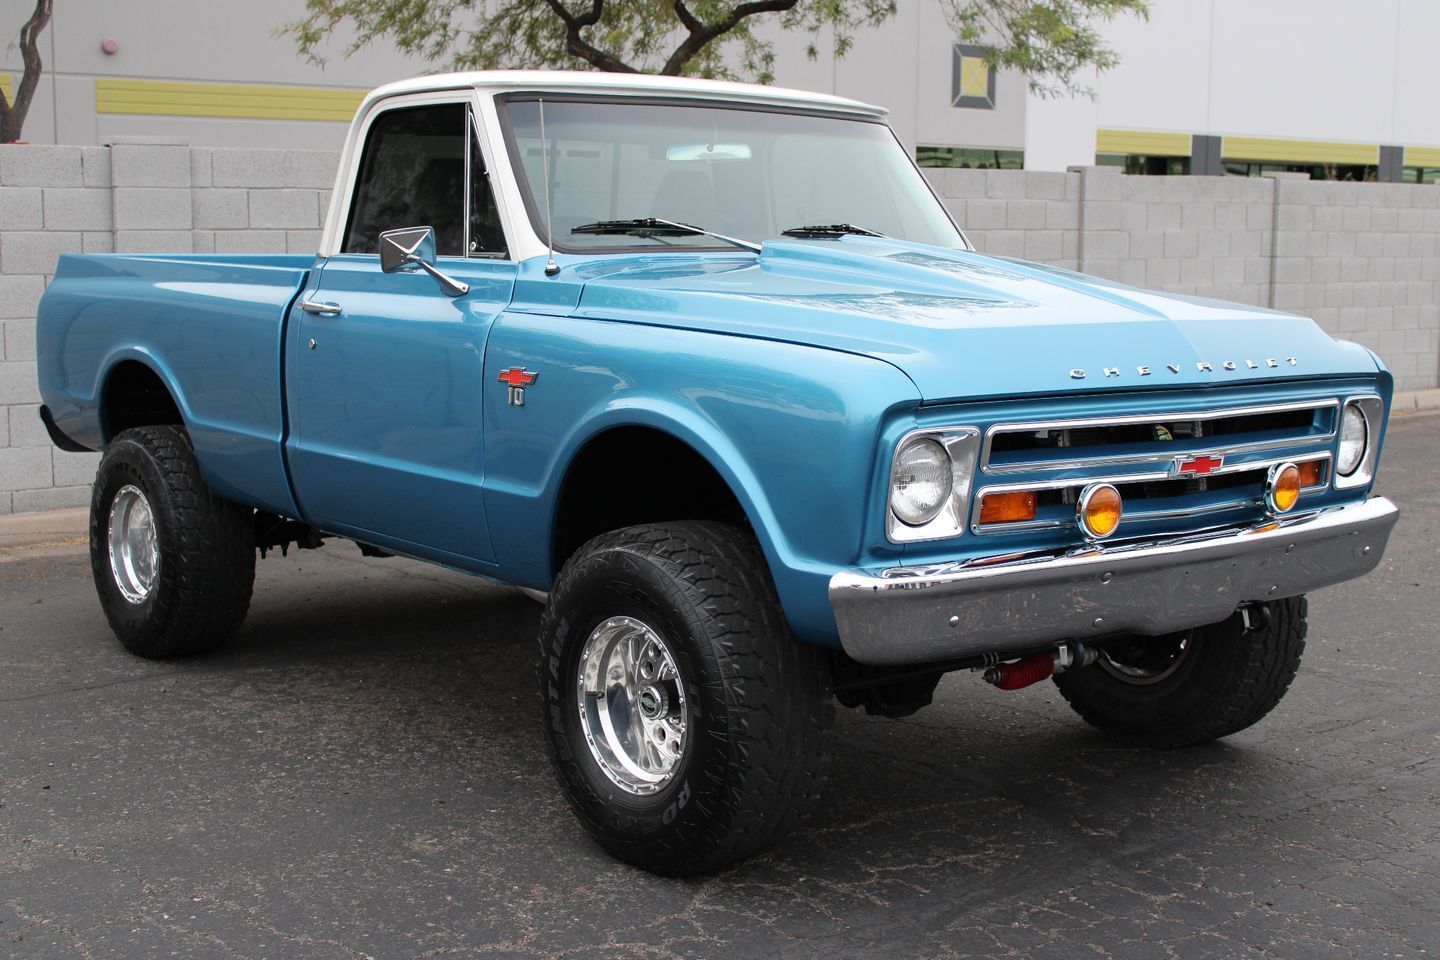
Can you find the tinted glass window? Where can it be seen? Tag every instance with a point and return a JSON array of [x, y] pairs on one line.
[[412, 174], [486, 237], [747, 173]]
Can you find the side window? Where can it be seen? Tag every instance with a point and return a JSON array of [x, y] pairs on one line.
[[487, 239], [412, 174]]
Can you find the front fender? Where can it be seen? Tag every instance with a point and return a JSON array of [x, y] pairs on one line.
[[791, 429]]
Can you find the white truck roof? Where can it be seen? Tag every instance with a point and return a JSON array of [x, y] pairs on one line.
[[622, 84]]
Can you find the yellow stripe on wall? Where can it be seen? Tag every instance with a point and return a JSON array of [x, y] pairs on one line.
[[1145, 143], [175, 99], [1298, 151], [1422, 156], [6, 88]]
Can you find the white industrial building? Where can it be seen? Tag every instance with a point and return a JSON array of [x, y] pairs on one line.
[[1205, 86]]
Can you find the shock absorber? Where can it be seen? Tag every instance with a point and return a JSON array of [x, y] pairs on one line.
[[1021, 673]]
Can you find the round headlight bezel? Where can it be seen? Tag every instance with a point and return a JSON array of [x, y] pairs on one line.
[[1352, 415], [918, 511]]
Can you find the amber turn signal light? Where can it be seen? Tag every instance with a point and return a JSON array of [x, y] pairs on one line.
[[1008, 507], [1282, 489], [1312, 473], [1099, 509]]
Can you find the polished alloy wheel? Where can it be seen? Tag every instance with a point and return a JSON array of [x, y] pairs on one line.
[[1146, 660], [133, 546], [632, 705]]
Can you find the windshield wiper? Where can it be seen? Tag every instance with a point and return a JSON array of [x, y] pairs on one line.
[[830, 230], [657, 227]]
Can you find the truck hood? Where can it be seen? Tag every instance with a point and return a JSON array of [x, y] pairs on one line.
[[962, 324]]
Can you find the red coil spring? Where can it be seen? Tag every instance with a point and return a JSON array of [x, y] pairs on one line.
[[1022, 673]]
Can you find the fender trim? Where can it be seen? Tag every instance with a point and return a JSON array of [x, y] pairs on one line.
[[58, 436]]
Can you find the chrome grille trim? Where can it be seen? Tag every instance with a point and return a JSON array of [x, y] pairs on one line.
[[1140, 516], [1103, 460]]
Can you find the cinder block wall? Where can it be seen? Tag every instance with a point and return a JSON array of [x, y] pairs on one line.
[[1362, 259], [134, 196]]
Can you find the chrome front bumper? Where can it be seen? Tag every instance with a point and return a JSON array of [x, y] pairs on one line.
[[1010, 605]]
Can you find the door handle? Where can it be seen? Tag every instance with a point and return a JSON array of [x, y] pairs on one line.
[[322, 308]]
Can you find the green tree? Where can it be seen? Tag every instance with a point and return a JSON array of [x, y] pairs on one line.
[[1052, 41], [12, 115]]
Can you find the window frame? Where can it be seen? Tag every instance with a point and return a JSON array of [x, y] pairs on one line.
[[343, 194], [536, 216]]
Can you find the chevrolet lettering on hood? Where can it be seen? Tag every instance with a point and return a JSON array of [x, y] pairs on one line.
[[1202, 366]]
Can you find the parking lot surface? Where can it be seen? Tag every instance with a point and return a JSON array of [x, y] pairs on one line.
[[362, 775]]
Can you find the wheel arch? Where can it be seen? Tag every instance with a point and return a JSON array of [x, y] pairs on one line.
[[725, 486], [134, 389]]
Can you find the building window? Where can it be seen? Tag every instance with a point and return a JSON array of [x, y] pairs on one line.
[[1421, 175], [970, 158], [972, 79], [1139, 164], [1355, 172]]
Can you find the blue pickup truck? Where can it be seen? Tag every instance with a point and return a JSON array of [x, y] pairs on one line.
[[710, 370]]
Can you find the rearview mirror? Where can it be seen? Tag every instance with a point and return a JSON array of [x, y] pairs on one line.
[[413, 248], [407, 249], [708, 151]]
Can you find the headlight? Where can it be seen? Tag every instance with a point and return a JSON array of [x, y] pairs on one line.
[[930, 474], [920, 481], [1354, 435]]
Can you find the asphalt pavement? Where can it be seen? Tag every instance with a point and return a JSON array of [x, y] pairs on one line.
[[362, 775]]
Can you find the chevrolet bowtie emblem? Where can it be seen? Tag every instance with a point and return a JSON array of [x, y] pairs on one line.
[[517, 379], [1196, 466]]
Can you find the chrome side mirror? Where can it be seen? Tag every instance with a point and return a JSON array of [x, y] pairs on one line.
[[413, 248]]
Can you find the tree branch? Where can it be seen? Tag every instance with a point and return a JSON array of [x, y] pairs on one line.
[[576, 44], [12, 116], [700, 34]]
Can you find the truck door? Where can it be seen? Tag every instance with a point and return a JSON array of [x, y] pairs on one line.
[[384, 372]]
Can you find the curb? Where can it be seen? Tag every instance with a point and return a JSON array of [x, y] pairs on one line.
[[44, 532], [1416, 401]]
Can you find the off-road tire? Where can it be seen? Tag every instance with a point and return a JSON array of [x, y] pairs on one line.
[[206, 548], [1228, 680], [754, 764]]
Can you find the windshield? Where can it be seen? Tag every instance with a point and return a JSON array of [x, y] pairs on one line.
[[750, 174]]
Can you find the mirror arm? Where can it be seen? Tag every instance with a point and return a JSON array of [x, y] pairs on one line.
[[453, 287]]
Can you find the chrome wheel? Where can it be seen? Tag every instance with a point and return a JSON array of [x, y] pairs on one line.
[[1146, 660], [632, 705], [133, 546]]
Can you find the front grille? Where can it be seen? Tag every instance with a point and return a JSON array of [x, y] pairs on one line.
[[1157, 438], [1235, 448], [1015, 445]]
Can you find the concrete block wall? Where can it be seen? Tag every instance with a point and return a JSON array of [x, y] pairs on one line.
[[1362, 259], [1201, 236], [259, 201], [137, 195], [1013, 213], [53, 200]]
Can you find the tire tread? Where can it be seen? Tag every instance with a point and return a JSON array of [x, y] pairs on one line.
[[200, 605], [1253, 676], [776, 690]]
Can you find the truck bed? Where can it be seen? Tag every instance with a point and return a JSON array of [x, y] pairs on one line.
[[212, 327]]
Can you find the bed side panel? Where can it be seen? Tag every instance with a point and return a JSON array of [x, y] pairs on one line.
[[211, 328]]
